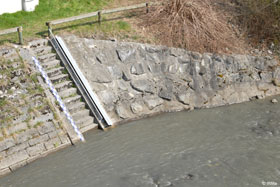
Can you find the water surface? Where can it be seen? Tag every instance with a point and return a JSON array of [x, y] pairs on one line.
[[236, 145]]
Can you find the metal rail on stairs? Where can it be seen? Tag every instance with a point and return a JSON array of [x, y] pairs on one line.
[[80, 81]]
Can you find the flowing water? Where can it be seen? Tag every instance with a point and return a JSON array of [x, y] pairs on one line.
[[236, 145]]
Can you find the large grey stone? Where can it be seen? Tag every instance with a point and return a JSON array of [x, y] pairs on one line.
[[143, 85], [152, 101], [186, 97], [124, 53], [136, 107], [115, 71], [108, 98], [266, 76], [276, 77], [154, 68], [241, 62], [166, 93], [137, 69], [123, 111], [100, 74]]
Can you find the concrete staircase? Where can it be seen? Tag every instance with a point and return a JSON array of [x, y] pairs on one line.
[[63, 84]]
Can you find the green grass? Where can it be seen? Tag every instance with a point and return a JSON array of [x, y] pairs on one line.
[[34, 22]]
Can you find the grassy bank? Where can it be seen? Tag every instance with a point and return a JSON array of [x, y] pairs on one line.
[[34, 22]]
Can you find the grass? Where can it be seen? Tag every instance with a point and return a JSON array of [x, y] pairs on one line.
[[34, 22]]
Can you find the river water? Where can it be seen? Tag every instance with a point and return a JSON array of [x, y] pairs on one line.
[[236, 145]]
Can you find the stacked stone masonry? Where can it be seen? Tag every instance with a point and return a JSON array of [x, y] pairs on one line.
[[29, 126], [131, 80], [136, 80]]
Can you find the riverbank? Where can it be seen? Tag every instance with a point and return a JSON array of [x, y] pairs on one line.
[[132, 81]]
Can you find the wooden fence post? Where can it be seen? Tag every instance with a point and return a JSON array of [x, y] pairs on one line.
[[49, 28], [19, 29], [99, 17]]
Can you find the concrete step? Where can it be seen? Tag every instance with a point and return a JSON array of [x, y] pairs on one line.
[[68, 92], [63, 86], [37, 43], [82, 121], [88, 127], [80, 114], [47, 57], [59, 78], [54, 72], [73, 108], [43, 50], [51, 64], [72, 100]]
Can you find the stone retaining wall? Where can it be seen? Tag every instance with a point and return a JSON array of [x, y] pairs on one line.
[[135, 80], [30, 127]]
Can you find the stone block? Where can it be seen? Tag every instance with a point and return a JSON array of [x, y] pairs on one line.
[[36, 149], [52, 143], [5, 171], [13, 159], [53, 134], [143, 85], [7, 143], [39, 139], [152, 101], [123, 111], [154, 68], [186, 97], [101, 74], [17, 128], [26, 135], [266, 76], [125, 53], [64, 139], [18, 165], [136, 107], [137, 69], [115, 71], [46, 128], [107, 97], [17, 148]]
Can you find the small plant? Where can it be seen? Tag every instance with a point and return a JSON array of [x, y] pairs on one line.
[[38, 124], [34, 78]]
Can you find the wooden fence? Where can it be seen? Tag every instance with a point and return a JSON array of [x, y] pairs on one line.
[[13, 30], [99, 13]]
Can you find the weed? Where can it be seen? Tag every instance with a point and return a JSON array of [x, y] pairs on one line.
[[38, 124]]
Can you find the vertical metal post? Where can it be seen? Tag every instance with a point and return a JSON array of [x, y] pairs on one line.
[[147, 8], [19, 29], [49, 28], [99, 17]]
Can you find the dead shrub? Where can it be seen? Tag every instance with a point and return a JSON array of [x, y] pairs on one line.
[[191, 24]]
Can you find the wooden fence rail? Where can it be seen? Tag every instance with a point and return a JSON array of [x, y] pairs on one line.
[[12, 30], [98, 13]]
